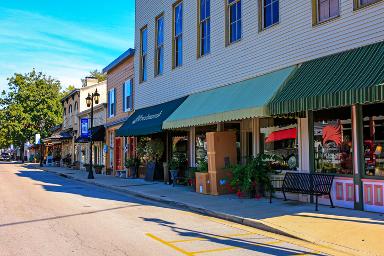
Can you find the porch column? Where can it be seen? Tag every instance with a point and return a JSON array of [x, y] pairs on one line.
[[192, 146], [256, 136], [306, 143], [358, 154], [220, 127]]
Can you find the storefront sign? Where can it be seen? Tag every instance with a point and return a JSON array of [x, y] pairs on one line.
[[141, 118], [84, 128]]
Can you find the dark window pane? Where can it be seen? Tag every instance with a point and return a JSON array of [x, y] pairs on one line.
[[232, 14], [238, 35], [144, 41], [238, 11], [267, 16], [275, 14], [160, 31], [267, 2], [334, 8], [178, 19], [202, 10], [208, 8]]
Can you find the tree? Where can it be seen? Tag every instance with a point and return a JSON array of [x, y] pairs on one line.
[[31, 105], [68, 90], [96, 74]]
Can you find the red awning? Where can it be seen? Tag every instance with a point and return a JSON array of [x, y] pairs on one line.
[[282, 135]]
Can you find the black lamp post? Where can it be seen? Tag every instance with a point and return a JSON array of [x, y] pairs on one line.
[[90, 98]]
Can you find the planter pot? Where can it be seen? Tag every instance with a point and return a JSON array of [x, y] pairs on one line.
[[98, 170], [132, 172], [166, 173]]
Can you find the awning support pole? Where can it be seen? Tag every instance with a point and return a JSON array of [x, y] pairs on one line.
[[358, 154]]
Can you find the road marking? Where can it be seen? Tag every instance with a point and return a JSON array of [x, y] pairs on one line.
[[169, 245], [214, 250], [214, 236]]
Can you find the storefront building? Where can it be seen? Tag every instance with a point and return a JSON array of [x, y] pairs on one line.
[[120, 91], [342, 98], [238, 70], [82, 147], [70, 125]]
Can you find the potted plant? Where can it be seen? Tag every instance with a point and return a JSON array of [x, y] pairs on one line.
[[154, 149], [174, 166], [98, 168], [254, 178], [108, 171], [132, 164], [87, 167]]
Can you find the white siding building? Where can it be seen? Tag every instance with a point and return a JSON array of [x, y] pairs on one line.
[[293, 40]]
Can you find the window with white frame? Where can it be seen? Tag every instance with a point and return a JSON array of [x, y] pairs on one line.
[[363, 3], [270, 13], [178, 34], [127, 95], [327, 9], [159, 58], [234, 20], [143, 53], [204, 27], [112, 102]]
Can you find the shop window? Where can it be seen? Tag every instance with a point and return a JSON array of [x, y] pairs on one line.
[[333, 141], [279, 138], [201, 142], [235, 127], [373, 123]]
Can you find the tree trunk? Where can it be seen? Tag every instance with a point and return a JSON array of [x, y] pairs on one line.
[[22, 152]]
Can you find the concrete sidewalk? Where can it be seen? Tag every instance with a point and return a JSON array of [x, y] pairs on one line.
[[349, 231]]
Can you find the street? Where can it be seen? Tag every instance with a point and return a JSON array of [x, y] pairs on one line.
[[44, 214]]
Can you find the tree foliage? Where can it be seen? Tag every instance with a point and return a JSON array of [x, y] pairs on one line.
[[68, 90], [30, 105], [96, 74]]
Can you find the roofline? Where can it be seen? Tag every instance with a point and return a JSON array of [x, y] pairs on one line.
[[70, 94], [127, 54]]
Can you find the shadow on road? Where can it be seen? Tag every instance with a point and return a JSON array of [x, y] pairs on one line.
[[271, 249]]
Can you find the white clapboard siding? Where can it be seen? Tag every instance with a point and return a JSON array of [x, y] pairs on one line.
[[294, 40]]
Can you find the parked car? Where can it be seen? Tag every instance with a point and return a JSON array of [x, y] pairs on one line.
[[5, 156]]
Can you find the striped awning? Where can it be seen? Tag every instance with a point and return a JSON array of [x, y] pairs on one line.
[[343, 79], [237, 101]]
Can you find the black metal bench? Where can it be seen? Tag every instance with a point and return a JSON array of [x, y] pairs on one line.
[[313, 184]]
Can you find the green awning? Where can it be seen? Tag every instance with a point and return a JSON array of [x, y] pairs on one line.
[[343, 79], [146, 121], [241, 100]]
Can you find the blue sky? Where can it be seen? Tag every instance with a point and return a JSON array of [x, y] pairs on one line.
[[64, 39]]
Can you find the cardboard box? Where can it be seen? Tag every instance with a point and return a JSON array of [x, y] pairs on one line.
[[221, 150], [220, 182], [202, 183]]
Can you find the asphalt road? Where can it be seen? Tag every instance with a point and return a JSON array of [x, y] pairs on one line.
[[44, 214]]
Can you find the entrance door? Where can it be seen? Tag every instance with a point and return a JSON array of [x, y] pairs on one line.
[[118, 158]]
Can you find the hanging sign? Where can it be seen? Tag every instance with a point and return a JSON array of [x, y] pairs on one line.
[[84, 128]]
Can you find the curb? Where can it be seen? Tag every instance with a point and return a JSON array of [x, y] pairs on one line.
[[210, 213], [185, 206]]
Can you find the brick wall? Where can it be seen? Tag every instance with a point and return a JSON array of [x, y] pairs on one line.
[[115, 79]]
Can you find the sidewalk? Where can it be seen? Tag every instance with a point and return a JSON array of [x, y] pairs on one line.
[[352, 232]]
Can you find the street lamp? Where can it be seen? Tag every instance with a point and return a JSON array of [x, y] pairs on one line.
[[89, 100]]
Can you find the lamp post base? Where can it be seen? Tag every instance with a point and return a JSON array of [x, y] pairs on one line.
[[90, 175]]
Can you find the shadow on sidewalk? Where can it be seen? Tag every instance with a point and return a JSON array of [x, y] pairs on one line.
[[227, 241], [54, 183]]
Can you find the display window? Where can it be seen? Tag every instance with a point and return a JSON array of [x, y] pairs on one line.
[[333, 141], [201, 142], [278, 137], [373, 127], [235, 127]]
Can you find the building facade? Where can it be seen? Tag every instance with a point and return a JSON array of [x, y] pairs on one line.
[[232, 57], [99, 120], [120, 89], [70, 125]]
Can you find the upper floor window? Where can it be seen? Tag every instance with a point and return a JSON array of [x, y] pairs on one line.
[[326, 10], [70, 109], [76, 107], [204, 27], [112, 102], [127, 95], [363, 3], [65, 111], [270, 13], [234, 20], [178, 34], [143, 53], [159, 60]]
